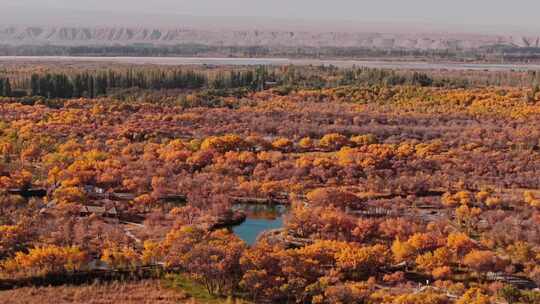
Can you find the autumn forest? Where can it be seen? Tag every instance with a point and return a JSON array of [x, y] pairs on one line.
[[393, 186]]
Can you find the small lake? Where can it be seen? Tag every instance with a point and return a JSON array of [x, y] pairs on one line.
[[259, 219]]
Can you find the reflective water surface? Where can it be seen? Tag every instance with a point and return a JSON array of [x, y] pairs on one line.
[[259, 219]]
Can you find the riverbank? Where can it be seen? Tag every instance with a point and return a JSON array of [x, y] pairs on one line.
[[209, 61]]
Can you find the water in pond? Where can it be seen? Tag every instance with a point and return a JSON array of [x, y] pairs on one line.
[[259, 219]]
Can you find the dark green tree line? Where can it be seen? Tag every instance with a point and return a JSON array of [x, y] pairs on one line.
[[97, 84], [5, 87]]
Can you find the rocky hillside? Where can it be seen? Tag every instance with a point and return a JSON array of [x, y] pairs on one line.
[[18, 35]]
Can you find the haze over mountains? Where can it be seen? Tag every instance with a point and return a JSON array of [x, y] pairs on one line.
[[73, 27], [120, 35]]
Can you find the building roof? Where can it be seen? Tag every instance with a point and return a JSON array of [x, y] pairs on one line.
[[99, 210]]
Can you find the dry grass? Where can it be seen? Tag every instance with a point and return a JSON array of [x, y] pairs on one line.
[[117, 293]]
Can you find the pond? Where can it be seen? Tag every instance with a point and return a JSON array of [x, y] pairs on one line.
[[259, 218]]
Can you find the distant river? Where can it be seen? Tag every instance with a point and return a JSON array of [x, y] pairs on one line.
[[274, 61]]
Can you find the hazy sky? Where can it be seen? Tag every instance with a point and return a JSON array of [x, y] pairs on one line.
[[521, 13]]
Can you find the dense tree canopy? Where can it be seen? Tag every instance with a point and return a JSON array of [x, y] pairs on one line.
[[385, 187]]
